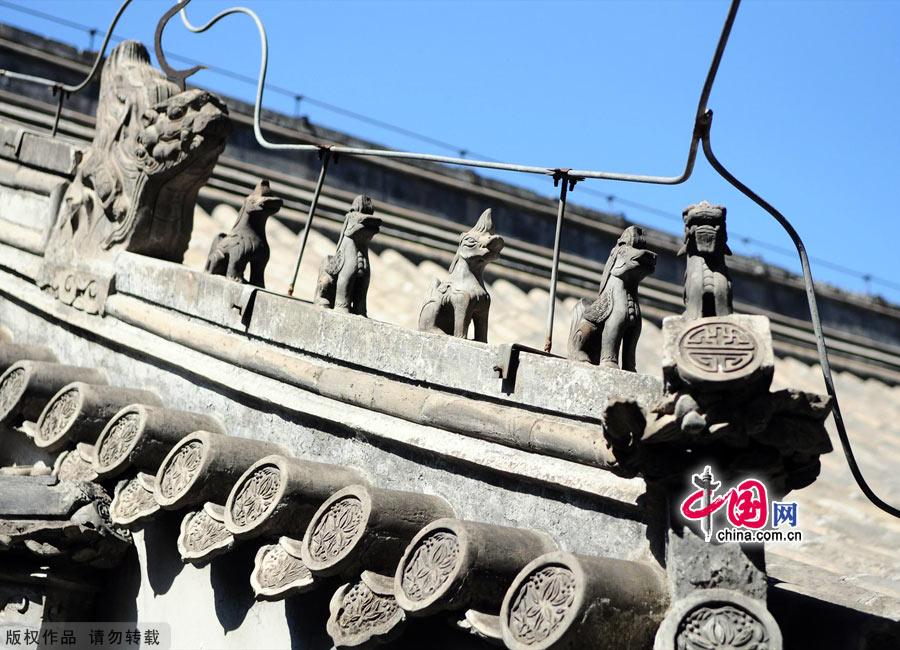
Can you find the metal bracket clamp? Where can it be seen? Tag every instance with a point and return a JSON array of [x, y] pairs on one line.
[[506, 361], [244, 304]]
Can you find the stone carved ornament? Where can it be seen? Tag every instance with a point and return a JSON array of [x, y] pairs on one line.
[[76, 464], [59, 416], [541, 604], [707, 282], [720, 619], [134, 500], [279, 572], [246, 245], [119, 439], [135, 188], [181, 469], [431, 565], [344, 277], [365, 613], [256, 496], [612, 322], [452, 305], [337, 529], [203, 534]]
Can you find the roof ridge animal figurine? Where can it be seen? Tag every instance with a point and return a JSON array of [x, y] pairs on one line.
[[612, 322], [343, 282], [707, 282], [450, 306], [246, 245]]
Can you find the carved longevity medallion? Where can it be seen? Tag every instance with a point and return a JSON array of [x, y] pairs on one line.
[[203, 531], [724, 628], [181, 469], [256, 496], [337, 529], [118, 441], [279, 568], [11, 390], [431, 565], [362, 609], [541, 604], [59, 416], [718, 349]]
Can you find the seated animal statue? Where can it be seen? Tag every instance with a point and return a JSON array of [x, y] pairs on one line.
[[344, 277], [246, 245], [612, 322], [154, 147], [707, 283], [452, 305]]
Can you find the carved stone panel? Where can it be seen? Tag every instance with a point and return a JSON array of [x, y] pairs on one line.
[[721, 352], [365, 613], [278, 571]]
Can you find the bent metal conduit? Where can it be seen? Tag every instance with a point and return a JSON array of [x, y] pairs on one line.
[[62, 90]]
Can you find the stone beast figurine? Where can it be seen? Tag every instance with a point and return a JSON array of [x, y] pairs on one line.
[[707, 283], [613, 320], [154, 147], [344, 277], [246, 245], [450, 306]]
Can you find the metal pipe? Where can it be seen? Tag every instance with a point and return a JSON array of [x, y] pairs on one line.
[[65, 90], [563, 179], [814, 317], [326, 156], [486, 164]]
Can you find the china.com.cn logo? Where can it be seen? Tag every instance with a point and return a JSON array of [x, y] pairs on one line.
[[747, 509]]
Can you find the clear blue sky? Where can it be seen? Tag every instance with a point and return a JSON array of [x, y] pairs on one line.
[[806, 104]]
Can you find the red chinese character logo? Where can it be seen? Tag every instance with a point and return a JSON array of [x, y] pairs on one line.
[[748, 503]]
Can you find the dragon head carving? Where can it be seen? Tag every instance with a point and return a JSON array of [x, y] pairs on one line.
[[479, 245], [187, 126], [154, 147], [630, 259]]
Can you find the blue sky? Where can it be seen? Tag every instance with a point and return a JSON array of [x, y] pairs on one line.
[[806, 103]]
